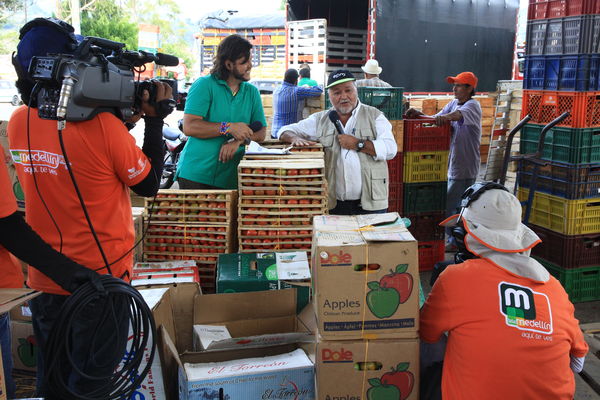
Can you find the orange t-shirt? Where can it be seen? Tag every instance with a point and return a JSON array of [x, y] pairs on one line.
[[11, 275], [509, 337], [105, 161]]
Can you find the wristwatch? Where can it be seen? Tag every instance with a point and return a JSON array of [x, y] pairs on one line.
[[360, 145]]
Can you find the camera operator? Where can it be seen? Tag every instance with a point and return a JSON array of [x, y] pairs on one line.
[[105, 162], [19, 239]]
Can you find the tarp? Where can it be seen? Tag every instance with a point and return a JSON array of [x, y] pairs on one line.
[[222, 20]]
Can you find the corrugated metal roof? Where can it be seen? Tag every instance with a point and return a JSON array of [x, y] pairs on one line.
[[224, 21]]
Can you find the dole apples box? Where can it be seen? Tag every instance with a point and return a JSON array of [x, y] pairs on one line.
[[366, 277], [369, 369], [284, 376]]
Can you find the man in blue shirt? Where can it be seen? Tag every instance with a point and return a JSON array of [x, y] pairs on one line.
[[286, 100]]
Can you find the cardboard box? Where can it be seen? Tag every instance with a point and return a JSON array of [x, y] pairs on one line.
[[260, 313], [249, 272], [289, 375], [24, 346], [12, 172], [366, 277], [374, 369]]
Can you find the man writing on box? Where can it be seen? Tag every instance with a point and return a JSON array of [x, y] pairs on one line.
[[357, 140]]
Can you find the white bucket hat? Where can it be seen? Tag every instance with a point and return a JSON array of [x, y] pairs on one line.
[[372, 67], [494, 220]]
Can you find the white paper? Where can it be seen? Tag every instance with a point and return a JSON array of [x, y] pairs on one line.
[[153, 296], [292, 265], [254, 148], [204, 335], [377, 219]]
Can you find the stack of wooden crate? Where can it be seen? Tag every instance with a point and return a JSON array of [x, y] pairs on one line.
[[191, 225], [278, 199]]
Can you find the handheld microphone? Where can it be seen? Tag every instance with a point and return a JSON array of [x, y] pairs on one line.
[[335, 119]]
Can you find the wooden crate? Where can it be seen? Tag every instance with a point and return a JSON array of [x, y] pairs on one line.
[[398, 132]]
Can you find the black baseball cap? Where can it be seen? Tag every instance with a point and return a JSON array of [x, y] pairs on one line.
[[339, 76]]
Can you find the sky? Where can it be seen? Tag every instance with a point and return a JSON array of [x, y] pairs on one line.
[[195, 9]]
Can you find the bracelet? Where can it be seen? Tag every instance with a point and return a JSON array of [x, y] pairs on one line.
[[224, 129]]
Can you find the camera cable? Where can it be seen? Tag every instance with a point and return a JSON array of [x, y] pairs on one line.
[[123, 312]]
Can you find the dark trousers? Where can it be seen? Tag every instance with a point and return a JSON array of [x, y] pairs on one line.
[[187, 184], [7, 361], [352, 207], [100, 329]]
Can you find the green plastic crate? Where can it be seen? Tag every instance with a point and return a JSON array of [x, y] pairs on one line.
[[570, 145], [424, 197], [581, 284], [388, 100]]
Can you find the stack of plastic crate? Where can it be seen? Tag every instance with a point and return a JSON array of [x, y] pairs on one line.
[[388, 101], [425, 170], [562, 73]]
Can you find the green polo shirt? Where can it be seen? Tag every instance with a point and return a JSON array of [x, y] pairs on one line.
[[211, 98], [307, 81]]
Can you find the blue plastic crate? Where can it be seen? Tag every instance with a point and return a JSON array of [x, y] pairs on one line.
[[573, 72]]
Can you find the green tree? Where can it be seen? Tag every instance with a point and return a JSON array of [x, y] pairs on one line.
[[9, 7], [8, 41], [105, 19]]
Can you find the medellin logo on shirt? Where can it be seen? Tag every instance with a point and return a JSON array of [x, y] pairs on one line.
[[525, 309]]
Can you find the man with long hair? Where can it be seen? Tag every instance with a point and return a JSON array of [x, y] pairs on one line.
[[218, 111]]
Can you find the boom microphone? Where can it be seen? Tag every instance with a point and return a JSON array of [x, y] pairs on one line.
[[167, 60], [335, 119], [255, 126]]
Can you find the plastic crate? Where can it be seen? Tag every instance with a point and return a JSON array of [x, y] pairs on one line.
[[430, 253], [545, 106], [540, 9], [424, 197], [568, 35], [425, 226], [571, 181], [568, 145], [581, 284], [395, 198], [567, 251], [387, 100], [428, 166], [576, 73], [395, 168], [569, 217], [424, 135]]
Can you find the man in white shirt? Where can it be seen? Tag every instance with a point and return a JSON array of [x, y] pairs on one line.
[[356, 150], [372, 71]]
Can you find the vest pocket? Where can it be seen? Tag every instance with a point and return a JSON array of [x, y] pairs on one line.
[[379, 187], [327, 140]]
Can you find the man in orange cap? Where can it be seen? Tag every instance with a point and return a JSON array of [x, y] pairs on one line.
[[464, 114]]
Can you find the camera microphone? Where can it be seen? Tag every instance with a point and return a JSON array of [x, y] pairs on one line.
[[335, 119], [167, 60], [255, 126]]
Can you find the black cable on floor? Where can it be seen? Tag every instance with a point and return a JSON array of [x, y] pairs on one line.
[[124, 360]]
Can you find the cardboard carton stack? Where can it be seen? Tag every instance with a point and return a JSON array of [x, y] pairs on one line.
[[278, 200], [366, 302], [191, 225], [267, 102]]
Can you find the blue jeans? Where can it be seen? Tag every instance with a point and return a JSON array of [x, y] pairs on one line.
[[109, 345], [456, 187], [7, 361], [352, 207]]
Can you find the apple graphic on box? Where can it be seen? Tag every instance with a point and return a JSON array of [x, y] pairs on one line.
[[400, 377], [27, 351], [381, 391], [383, 302], [399, 280]]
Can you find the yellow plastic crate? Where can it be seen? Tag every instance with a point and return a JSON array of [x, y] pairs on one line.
[[569, 217], [425, 166]]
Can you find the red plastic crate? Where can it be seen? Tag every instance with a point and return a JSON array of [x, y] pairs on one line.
[[395, 168], [425, 226], [567, 251], [396, 197], [424, 135], [542, 9], [430, 253], [546, 105]]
